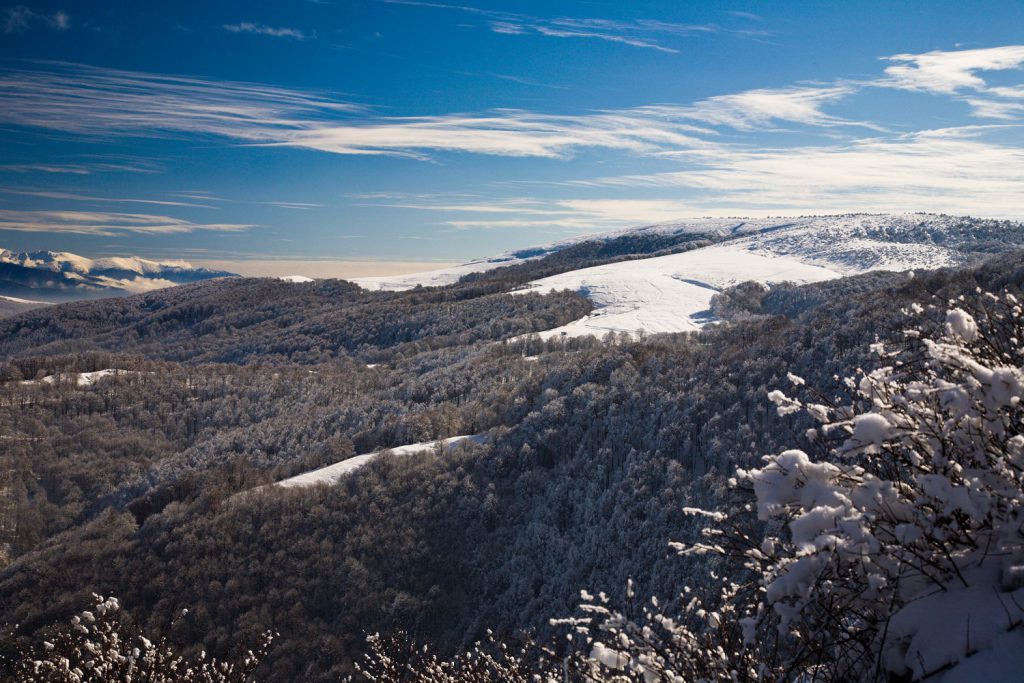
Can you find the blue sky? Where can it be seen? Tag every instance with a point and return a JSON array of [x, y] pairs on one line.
[[388, 133]]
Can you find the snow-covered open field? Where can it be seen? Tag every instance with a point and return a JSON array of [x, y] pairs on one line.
[[332, 473], [668, 293], [672, 293]]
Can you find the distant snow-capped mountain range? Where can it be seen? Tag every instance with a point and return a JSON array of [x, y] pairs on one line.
[[56, 276]]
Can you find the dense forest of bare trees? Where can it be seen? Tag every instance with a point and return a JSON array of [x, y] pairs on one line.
[[139, 483]]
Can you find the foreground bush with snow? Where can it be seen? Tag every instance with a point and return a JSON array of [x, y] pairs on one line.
[[896, 553], [103, 644]]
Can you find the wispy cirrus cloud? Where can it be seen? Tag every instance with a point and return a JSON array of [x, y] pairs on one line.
[[512, 133], [75, 98], [84, 168], [105, 102], [21, 18], [995, 109], [75, 197], [104, 223], [641, 33], [749, 16], [757, 109], [960, 71], [294, 206], [947, 72], [585, 214], [573, 214], [264, 30], [953, 169], [956, 170]]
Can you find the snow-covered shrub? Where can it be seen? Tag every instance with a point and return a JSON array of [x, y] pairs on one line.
[[899, 550], [703, 639], [102, 644], [396, 657]]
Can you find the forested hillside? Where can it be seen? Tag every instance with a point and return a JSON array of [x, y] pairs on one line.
[[141, 483]]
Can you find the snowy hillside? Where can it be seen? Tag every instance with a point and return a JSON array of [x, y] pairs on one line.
[[669, 293], [332, 473], [61, 276], [672, 293], [446, 276]]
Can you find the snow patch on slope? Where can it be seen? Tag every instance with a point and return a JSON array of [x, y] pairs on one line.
[[81, 379], [332, 473], [668, 293]]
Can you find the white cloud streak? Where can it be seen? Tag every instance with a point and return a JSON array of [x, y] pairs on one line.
[[994, 109], [957, 72], [20, 18], [102, 223], [955, 171], [108, 102], [967, 169], [634, 33], [512, 133], [639, 33], [948, 72], [575, 214], [264, 30], [757, 109], [952, 170], [89, 168], [294, 206], [105, 102], [71, 196]]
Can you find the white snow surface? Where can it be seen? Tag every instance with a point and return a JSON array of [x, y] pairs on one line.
[[970, 633], [296, 278], [672, 293], [81, 379], [854, 242], [669, 293], [332, 473], [1002, 660]]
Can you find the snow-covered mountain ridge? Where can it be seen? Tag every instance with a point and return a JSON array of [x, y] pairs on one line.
[[62, 276], [671, 293]]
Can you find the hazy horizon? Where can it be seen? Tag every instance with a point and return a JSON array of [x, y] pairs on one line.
[[320, 268]]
